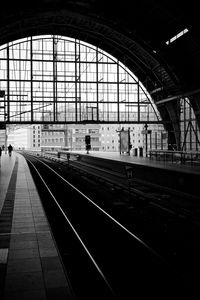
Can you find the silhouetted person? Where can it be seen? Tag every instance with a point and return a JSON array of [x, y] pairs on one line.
[[0, 151], [10, 148]]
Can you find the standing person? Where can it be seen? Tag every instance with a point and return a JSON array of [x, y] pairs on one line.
[[10, 148]]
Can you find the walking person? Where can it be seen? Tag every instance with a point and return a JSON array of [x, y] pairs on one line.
[[10, 148]]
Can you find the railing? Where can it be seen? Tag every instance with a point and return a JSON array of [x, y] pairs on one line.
[[177, 157]]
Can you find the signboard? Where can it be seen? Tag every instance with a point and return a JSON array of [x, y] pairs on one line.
[[124, 141], [129, 172], [87, 139]]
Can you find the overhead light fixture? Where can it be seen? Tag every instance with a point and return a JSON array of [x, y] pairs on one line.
[[177, 36]]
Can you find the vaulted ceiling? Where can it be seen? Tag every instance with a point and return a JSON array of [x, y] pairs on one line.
[[135, 32]]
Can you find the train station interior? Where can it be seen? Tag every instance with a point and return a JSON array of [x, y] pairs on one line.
[[99, 194]]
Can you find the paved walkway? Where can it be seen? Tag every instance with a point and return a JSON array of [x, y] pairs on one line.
[[30, 265]]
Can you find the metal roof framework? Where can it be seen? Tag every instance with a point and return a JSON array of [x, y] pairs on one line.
[[135, 32]]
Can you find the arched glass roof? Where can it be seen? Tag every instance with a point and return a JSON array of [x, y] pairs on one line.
[[58, 79]]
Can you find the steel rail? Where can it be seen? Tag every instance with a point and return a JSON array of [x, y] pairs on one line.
[[152, 199], [108, 215], [73, 229]]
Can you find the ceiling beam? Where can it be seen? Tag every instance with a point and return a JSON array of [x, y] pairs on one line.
[[184, 95]]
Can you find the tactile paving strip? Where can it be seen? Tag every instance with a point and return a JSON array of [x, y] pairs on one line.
[[6, 225]]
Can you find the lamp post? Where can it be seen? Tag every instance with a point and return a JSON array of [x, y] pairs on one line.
[[146, 137]]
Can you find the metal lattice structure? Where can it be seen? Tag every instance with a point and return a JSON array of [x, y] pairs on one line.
[[189, 133], [54, 79]]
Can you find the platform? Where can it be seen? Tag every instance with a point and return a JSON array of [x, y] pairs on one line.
[[183, 178], [30, 265], [143, 161]]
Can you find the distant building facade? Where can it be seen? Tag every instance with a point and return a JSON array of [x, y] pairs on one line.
[[104, 137], [26, 137], [2, 138], [70, 137]]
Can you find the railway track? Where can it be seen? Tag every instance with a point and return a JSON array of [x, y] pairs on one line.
[[175, 202], [104, 259]]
